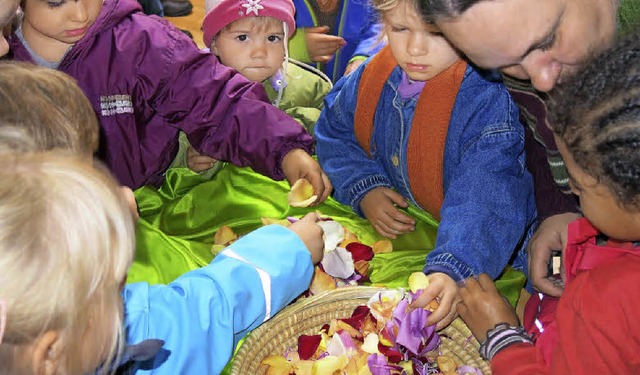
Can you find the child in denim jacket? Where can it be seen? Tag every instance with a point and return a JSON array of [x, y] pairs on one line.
[[462, 161]]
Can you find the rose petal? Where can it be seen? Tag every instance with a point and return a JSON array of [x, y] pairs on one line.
[[468, 370], [370, 344], [330, 364], [360, 251], [278, 365], [269, 221], [308, 346], [338, 263], [224, 236], [301, 194], [321, 282], [333, 234], [382, 247], [418, 281]]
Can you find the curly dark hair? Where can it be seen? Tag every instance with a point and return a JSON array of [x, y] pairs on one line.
[[596, 113]]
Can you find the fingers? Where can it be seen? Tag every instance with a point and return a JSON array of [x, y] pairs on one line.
[[311, 217], [317, 30], [327, 188], [486, 283]]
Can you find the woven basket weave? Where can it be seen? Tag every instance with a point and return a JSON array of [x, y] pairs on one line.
[[307, 316]]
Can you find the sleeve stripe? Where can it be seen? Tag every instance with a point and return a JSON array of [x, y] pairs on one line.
[[264, 278]]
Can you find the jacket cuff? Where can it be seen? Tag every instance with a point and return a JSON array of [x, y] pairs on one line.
[[448, 264], [502, 336], [362, 187]]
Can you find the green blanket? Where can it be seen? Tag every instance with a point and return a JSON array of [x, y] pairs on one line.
[[178, 221]]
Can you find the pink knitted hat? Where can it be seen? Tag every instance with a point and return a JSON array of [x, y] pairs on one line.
[[220, 13]]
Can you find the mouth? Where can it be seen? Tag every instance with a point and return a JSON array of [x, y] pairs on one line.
[[417, 67], [77, 32]]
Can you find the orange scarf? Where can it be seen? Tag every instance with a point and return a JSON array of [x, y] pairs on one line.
[[425, 151]]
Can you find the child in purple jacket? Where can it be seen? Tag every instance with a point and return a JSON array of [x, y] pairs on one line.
[[146, 80]]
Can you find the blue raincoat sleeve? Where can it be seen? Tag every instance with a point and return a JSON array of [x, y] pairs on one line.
[[203, 314]]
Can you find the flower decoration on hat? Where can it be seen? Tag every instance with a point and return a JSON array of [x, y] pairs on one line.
[[253, 6]]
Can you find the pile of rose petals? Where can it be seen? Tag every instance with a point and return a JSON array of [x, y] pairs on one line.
[[345, 261], [386, 336]]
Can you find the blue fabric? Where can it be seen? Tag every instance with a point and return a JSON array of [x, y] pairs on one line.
[[357, 22], [488, 210], [203, 314]]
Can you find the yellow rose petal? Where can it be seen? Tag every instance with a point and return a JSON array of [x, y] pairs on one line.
[[302, 194], [224, 236]]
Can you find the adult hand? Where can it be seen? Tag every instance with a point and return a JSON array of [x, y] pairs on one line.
[[352, 66], [311, 234], [322, 46], [445, 290], [198, 162], [297, 164], [379, 207], [550, 236], [483, 307]]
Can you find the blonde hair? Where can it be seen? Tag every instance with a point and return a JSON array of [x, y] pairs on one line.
[[66, 243], [44, 109], [385, 5]]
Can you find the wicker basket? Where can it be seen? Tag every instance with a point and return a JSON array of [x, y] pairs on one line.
[[308, 315]]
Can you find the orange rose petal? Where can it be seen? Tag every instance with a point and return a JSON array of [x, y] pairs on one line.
[[382, 247], [301, 194], [321, 282], [216, 249], [362, 266], [269, 221], [224, 236]]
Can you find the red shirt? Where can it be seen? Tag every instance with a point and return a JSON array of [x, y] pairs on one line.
[[597, 321]]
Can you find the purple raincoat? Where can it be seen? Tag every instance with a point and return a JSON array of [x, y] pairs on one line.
[[146, 80]]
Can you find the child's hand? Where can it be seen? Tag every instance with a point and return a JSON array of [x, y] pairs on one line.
[[298, 164], [379, 207], [127, 195], [483, 307], [445, 289], [311, 234], [198, 162], [352, 66], [321, 46]]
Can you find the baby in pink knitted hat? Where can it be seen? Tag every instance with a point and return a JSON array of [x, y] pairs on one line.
[[251, 37]]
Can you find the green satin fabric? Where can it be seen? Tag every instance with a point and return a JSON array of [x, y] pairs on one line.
[[178, 221]]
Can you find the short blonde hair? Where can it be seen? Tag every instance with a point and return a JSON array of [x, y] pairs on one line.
[[44, 109], [66, 242]]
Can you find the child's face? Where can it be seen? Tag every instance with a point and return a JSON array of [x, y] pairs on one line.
[[59, 21], [419, 48], [598, 204], [253, 46], [8, 10]]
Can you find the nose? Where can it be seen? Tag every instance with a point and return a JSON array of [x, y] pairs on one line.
[[258, 50], [543, 70], [79, 12], [4, 46], [417, 45]]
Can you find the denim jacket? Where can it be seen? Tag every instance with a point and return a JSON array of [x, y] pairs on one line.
[[488, 210]]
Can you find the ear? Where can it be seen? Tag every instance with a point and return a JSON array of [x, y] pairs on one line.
[[46, 356], [214, 48]]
